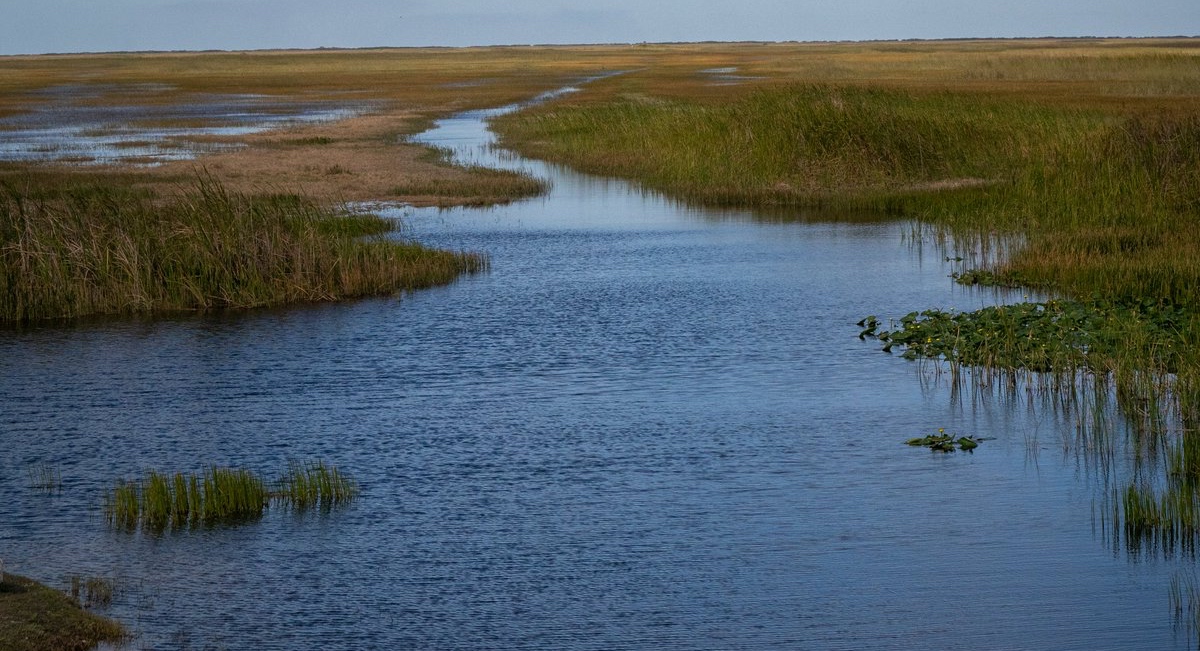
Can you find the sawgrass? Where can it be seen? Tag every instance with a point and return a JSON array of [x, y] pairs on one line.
[[76, 250]]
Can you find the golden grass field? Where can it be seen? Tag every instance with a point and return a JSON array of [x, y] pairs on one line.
[[362, 158]]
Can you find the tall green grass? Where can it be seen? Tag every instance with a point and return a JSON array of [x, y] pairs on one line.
[[222, 496], [315, 484], [806, 145], [76, 249], [215, 496]]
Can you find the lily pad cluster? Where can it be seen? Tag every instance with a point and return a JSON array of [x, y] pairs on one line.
[[942, 442]]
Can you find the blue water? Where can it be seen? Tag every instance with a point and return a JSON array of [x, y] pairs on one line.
[[647, 427]]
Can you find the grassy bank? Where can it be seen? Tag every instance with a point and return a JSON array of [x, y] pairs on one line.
[[72, 249], [34, 617]]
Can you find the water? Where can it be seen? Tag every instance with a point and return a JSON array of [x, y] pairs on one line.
[[648, 427], [81, 124]]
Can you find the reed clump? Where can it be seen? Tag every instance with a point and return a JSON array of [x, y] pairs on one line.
[[215, 496], [315, 484], [218, 496], [75, 249]]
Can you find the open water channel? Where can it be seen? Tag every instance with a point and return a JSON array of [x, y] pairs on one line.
[[649, 426]]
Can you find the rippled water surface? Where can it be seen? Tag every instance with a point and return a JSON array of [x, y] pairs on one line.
[[648, 427]]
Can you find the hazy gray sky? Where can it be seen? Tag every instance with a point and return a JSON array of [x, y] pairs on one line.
[[39, 26]]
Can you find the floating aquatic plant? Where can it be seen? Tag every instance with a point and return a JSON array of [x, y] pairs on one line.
[[943, 442]]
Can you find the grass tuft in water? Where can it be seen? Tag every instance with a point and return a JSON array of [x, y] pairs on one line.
[[222, 496], [158, 501], [315, 484]]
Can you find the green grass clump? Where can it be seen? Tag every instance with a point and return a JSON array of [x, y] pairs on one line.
[[218, 495], [315, 484], [222, 496], [76, 249]]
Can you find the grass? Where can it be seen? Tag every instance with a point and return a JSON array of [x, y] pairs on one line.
[[470, 185], [34, 617], [315, 484], [220, 496], [78, 249]]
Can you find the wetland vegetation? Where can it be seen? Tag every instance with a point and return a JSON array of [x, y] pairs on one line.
[[222, 496], [1069, 167], [81, 249]]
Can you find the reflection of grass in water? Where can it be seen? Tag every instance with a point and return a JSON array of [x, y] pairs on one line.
[[45, 477]]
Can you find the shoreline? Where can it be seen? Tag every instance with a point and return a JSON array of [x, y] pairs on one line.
[[36, 617]]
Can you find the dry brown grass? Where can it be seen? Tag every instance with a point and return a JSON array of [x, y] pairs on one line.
[[363, 158]]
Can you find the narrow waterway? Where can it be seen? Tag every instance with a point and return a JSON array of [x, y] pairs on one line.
[[648, 427]]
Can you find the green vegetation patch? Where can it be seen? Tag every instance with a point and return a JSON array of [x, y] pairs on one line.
[[1051, 336], [84, 248], [34, 617], [222, 496], [943, 442], [806, 145]]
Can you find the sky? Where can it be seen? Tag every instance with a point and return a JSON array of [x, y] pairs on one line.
[[43, 26]]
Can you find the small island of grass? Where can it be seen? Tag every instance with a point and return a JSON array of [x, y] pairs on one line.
[[34, 617]]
